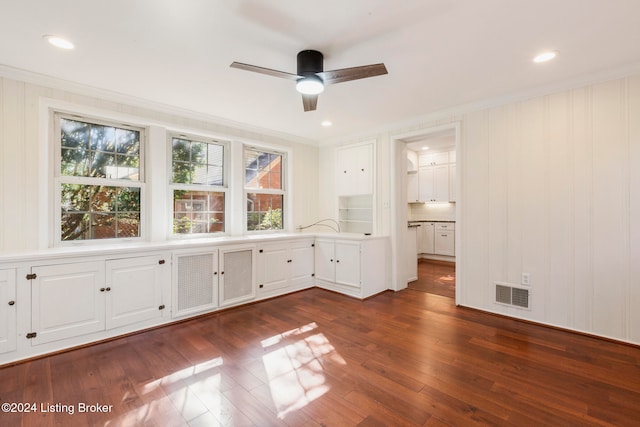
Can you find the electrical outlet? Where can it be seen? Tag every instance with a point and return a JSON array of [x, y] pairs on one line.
[[526, 279]]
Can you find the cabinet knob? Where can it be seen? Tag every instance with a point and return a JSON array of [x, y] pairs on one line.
[[108, 289], [102, 289], [337, 260], [222, 272], [215, 273], [12, 302], [331, 260]]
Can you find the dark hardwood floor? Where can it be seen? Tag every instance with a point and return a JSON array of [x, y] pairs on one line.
[[436, 277], [316, 358]]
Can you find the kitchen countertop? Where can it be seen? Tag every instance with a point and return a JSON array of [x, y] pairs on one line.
[[430, 220]]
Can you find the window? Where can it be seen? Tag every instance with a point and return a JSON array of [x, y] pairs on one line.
[[264, 189], [99, 179], [198, 186]]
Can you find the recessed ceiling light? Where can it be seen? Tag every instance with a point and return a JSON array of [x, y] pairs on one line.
[[59, 42], [545, 56], [425, 148], [326, 123]]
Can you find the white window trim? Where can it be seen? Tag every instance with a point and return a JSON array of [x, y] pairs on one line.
[[54, 116], [225, 188], [286, 209]]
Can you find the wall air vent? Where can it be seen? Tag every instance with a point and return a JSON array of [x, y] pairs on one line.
[[513, 296]]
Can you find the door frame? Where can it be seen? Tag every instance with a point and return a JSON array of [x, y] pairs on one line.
[[399, 202]]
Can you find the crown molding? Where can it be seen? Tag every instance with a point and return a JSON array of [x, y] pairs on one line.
[[95, 92]]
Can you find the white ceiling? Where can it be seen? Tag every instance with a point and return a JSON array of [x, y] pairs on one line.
[[440, 53]]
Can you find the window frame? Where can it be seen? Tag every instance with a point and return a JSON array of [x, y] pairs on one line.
[[209, 188], [59, 179], [283, 191]]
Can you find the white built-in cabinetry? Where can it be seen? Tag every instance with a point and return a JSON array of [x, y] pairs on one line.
[[435, 180], [285, 266], [204, 280], [7, 310], [355, 266], [68, 300], [436, 238], [354, 184], [60, 299]]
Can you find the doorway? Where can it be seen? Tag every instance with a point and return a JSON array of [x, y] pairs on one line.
[[427, 159]]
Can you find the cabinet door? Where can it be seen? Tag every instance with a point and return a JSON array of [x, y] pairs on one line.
[[445, 243], [324, 260], [354, 170], [273, 267], [237, 275], [347, 263], [195, 282], [452, 183], [425, 185], [427, 243], [413, 188], [441, 183], [8, 319], [67, 300], [302, 265], [134, 290]]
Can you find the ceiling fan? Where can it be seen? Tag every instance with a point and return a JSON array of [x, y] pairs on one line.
[[311, 77]]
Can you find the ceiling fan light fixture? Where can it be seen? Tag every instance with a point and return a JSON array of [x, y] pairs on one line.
[[310, 85]]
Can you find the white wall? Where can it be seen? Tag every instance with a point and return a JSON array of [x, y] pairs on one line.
[[551, 187], [548, 186], [24, 210]]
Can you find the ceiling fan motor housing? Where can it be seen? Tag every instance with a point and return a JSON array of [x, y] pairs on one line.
[[309, 62]]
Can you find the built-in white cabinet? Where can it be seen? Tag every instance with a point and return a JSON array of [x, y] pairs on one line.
[[412, 252], [355, 213], [204, 280], [237, 278], [8, 317], [195, 281], [285, 266], [445, 239], [133, 291], [354, 169], [356, 267], [69, 300]]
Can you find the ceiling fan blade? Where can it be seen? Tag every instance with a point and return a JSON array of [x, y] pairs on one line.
[[262, 70], [309, 102], [353, 73]]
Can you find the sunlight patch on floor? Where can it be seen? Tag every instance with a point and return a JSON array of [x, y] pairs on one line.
[[296, 371]]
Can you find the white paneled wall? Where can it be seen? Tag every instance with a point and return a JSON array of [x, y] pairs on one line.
[[23, 210], [551, 187]]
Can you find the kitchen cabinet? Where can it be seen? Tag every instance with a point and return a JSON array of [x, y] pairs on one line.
[[432, 159], [70, 300], [8, 319], [413, 187], [412, 252], [356, 267], [285, 266], [354, 169], [445, 239], [434, 183], [452, 183], [426, 239]]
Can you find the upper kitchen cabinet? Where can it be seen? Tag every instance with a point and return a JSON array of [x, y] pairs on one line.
[[435, 180], [354, 169]]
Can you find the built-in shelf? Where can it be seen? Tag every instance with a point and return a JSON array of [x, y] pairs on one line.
[[356, 213]]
